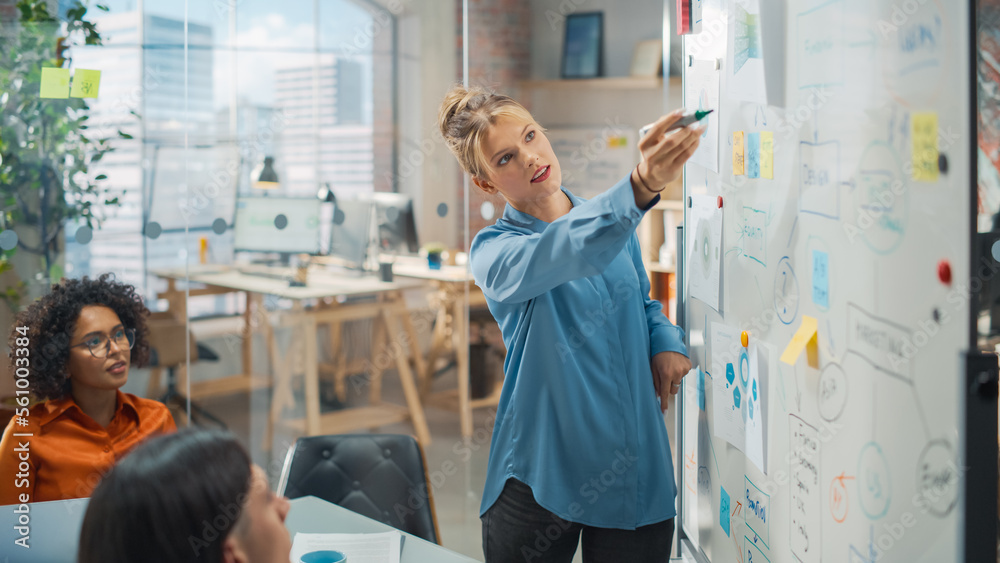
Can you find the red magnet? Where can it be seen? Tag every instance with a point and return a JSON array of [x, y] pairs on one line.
[[944, 272], [720, 202]]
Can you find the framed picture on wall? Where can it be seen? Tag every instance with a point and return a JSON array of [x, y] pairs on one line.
[[583, 45]]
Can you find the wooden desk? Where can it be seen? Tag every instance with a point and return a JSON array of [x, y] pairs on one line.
[[455, 291], [322, 286]]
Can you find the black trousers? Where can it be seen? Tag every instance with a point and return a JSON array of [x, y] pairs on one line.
[[517, 529]]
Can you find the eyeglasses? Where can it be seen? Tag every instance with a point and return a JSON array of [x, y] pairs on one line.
[[100, 344]]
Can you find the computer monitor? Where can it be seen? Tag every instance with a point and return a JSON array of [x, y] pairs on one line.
[[277, 224], [397, 229], [350, 233]]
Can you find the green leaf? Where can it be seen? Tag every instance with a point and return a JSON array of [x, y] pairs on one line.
[[125, 135], [101, 177]]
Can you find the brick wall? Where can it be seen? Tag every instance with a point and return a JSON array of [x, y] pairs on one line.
[[499, 57]]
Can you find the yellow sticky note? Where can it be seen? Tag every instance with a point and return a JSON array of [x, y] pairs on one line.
[[804, 339], [86, 83], [738, 154], [55, 83], [925, 148], [767, 154]]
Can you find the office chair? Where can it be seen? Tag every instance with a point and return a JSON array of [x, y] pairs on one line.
[[172, 396], [167, 350], [381, 476]]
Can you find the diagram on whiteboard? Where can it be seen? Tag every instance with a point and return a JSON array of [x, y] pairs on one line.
[[744, 60], [705, 250], [701, 91]]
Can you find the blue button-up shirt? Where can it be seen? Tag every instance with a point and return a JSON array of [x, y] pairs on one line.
[[578, 419]]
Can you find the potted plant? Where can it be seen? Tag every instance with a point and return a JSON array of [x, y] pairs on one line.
[[47, 149], [434, 250]]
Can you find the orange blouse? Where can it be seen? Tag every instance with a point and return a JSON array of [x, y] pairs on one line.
[[68, 453]]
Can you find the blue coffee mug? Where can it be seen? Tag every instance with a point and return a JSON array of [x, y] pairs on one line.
[[324, 557]]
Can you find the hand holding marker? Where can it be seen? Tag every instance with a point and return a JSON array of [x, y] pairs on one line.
[[688, 119]]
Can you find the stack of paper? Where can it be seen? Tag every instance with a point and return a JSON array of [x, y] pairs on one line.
[[384, 547]]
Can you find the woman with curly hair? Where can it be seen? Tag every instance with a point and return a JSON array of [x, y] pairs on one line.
[[78, 343]]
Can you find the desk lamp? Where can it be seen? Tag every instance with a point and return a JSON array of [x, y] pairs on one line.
[[267, 179]]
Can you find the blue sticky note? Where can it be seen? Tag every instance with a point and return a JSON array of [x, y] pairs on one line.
[[701, 390], [753, 155], [724, 511], [821, 279]]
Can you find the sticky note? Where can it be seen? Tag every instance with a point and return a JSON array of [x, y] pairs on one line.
[[753, 155], [724, 510], [701, 389], [86, 83], [821, 279], [804, 339], [767, 155], [925, 149], [738, 153], [55, 83]]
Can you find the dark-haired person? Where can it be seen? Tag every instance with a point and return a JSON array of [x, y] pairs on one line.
[[77, 343], [190, 496], [579, 442]]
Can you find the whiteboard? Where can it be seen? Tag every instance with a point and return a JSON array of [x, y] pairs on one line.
[[861, 452]]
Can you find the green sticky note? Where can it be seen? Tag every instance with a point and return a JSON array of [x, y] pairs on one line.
[[55, 83], [86, 83]]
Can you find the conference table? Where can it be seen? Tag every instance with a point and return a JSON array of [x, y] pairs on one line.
[[55, 530], [311, 515], [329, 297]]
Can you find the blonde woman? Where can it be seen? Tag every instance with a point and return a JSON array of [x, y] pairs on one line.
[[579, 449]]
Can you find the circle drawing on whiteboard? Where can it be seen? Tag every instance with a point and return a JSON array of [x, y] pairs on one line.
[[937, 478], [838, 500], [786, 292], [832, 392], [881, 199], [874, 487], [703, 249], [744, 368]]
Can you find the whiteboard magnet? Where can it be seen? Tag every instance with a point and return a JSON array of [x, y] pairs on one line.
[[944, 272], [720, 202], [745, 338]]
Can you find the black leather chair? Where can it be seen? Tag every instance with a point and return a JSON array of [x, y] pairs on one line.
[[381, 476]]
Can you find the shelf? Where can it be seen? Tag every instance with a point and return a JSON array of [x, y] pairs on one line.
[[670, 204], [661, 268], [611, 82]]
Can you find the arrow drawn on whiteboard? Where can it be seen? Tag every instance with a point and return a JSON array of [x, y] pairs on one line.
[[792, 234], [762, 113], [920, 409]]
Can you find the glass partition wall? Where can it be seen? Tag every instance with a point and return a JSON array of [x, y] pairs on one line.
[[226, 168], [224, 163]]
